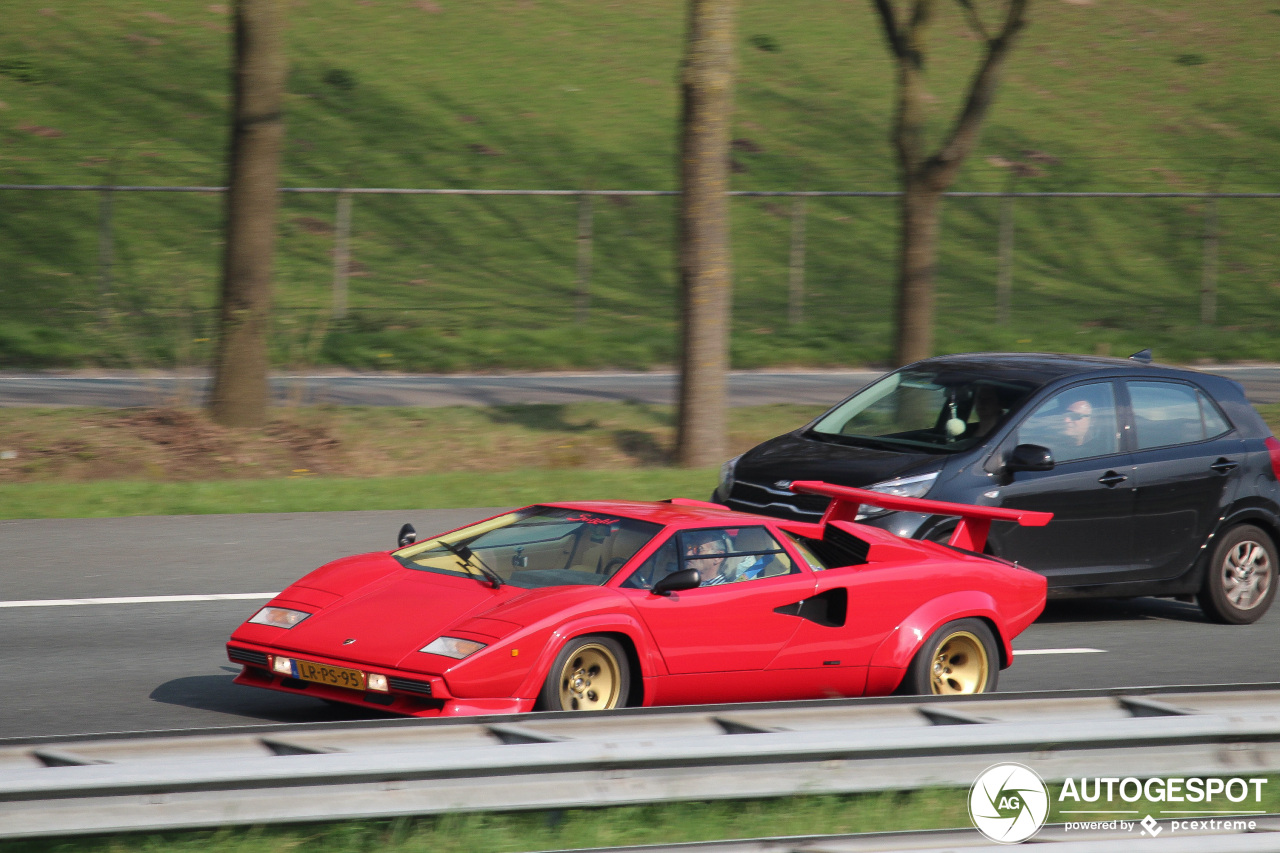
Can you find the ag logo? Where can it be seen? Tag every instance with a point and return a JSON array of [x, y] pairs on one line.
[[1008, 803]]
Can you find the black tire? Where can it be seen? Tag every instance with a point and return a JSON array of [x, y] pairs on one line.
[[590, 674], [1240, 581], [959, 658], [940, 532]]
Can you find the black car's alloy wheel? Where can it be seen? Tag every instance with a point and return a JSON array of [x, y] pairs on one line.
[[961, 657], [1239, 585]]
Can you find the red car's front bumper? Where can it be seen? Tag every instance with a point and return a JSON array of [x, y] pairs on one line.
[[412, 694]]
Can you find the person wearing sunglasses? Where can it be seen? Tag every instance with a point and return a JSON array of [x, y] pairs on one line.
[[1085, 430], [1078, 422]]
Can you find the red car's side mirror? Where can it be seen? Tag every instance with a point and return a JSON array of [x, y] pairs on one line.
[[676, 581]]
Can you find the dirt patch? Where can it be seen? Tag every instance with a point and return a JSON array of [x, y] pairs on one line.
[[312, 225], [181, 443]]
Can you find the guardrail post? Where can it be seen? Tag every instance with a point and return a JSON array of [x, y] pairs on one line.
[[585, 222], [1209, 275], [795, 277], [1004, 275], [341, 254]]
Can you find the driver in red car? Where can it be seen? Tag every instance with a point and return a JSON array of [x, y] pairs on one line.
[[705, 551], [719, 558]]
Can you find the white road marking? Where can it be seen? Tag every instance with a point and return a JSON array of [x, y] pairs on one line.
[[1017, 652], [141, 599]]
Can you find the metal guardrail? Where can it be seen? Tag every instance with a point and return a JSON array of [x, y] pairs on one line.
[[280, 774]]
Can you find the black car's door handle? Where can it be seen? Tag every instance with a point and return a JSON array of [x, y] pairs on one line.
[[1224, 466], [1111, 478]]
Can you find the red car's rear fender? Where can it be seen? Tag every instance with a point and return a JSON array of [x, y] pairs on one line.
[[897, 649], [621, 624]]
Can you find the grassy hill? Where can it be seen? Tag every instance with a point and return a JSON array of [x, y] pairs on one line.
[[1173, 95]]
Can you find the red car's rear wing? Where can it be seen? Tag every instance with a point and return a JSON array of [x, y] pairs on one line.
[[970, 533]]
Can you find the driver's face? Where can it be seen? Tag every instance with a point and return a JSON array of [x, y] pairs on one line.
[[707, 558], [1077, 420]]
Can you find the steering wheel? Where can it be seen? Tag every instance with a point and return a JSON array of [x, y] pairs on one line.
[[612, 565]]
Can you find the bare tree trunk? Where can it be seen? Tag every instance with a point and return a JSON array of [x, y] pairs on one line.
[[925, 177], [240, 392], [704, 259], [917, 259]]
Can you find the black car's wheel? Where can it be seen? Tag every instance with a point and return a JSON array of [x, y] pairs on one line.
[[1239, 585], [589, 674], [960, 657]]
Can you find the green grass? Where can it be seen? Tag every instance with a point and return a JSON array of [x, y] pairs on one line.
[[497, 833], [112, 498], [1174, 95], [670, 823]]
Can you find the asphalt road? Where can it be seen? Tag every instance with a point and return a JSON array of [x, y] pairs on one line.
[[749, 388], [157, 665], [746, 388]]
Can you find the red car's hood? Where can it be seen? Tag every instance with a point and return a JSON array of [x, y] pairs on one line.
[[391, 617]]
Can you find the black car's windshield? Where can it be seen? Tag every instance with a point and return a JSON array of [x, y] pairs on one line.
[[945, 411], [535, 547]]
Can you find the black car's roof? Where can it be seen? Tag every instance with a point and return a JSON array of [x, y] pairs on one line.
[[1040, 367]]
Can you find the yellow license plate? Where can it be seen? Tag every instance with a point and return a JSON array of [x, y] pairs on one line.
[[335, 675]]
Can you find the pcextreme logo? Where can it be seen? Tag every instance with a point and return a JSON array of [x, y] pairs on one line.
[[1009, 803]]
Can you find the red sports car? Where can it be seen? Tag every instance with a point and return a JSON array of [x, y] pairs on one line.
[[604, 604]]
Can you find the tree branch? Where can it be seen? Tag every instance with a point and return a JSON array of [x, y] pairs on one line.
[[890, 21], [942, 167], [975, 20]]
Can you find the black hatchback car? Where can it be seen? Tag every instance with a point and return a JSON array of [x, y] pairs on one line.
[[1162, 481]]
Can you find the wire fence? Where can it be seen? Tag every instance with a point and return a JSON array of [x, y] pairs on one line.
[[1000, 237]]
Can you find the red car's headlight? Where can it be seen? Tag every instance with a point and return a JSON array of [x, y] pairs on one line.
[[452, 647], [278, 617]]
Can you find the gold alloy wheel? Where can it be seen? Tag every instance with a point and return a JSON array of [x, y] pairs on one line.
[[960, 665], [590, 680], [1246, 575]]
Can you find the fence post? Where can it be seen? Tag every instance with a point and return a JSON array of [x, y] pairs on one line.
[[795, 277], [585, 222], [341, 254], [1004, 275], [106, 252], [1209, 275]]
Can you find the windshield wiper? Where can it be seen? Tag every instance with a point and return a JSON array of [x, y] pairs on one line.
[[855, 440], [466, 555]]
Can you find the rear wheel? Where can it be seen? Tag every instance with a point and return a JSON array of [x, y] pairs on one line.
[[589, 674], [1240, 583], [959, 658]]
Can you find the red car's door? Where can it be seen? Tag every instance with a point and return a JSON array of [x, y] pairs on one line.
[[723, 628], [729, 624]]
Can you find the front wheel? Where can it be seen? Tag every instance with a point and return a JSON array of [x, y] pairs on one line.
[[589, 674], [959, 658], [1240, 583]]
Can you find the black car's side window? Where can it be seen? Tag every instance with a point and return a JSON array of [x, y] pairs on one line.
[[1077, 423], [1167, 413]]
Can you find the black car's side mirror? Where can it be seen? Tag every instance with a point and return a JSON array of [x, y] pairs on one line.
[[677, 581], [1030, 457], [406, 536]]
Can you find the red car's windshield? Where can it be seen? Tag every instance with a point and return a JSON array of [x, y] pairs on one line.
[[538, 546]]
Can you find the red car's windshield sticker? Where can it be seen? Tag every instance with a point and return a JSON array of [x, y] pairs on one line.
[[592, 519]]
